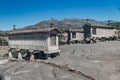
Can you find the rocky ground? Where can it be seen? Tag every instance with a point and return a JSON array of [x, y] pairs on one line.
[[100, 61]]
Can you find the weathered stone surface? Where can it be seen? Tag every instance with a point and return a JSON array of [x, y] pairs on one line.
[[32, 58], [101, 61], [20, 56], [10, 55]]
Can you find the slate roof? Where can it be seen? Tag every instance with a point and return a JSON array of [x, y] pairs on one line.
[[34, 30], [76, 30], [98, 26]]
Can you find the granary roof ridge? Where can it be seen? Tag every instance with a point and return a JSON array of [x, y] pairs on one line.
[[77, 30], [99, 25], [3, 33], [34, 30]]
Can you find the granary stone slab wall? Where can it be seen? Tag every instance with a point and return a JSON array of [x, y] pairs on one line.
[[91, 30], [103, 32], [79, 36], [37, 41], [53, 48]]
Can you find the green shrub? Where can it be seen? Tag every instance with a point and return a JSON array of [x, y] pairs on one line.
[[23, 51], [15, 54], [62, 43]]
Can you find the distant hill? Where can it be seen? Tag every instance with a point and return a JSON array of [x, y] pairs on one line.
[[64, 24]]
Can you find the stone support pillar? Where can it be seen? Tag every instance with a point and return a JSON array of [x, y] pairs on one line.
[[20, 56], [32, 58], [10, 56]]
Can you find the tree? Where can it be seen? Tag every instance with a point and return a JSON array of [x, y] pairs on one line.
[[14, 27]]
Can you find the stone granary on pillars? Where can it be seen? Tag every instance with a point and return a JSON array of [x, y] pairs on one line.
[[43, 40], [75, 35], [98, 31]]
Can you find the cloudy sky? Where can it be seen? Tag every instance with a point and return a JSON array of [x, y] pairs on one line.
[[27, 12]]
